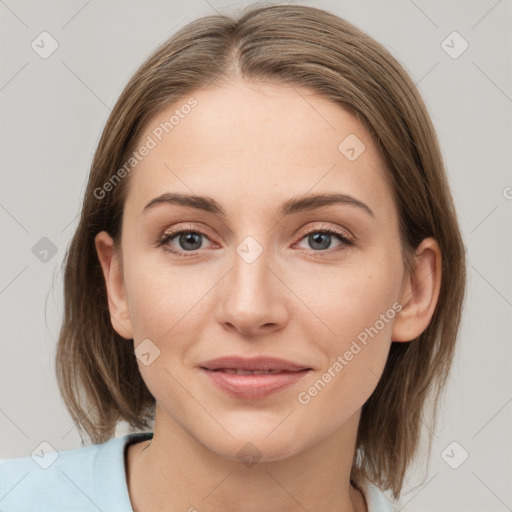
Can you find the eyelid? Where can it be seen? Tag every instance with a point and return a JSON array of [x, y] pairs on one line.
[[312, 229], [330, 228], [345, 237], [181, 228]]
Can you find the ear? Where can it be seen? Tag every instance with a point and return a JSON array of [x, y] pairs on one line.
[[111, 265], [419, 293]]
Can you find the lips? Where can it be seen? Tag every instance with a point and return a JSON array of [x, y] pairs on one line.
[[238, 371], [254, 378], [253, 365]]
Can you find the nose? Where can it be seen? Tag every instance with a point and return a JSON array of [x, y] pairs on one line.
[[253, 299]]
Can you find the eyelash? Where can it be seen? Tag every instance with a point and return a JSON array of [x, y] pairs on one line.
[[169, 235]]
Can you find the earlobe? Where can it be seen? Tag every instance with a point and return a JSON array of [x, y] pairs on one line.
[[114, 281], [420, 292]]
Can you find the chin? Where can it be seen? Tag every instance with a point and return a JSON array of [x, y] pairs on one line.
[[250, 446]]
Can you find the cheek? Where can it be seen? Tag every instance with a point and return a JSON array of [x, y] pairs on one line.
[[348, 298], [159, 296], [354, 309], [359, 313], [162, 303]]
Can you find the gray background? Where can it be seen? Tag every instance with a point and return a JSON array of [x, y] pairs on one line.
[[53, 111]]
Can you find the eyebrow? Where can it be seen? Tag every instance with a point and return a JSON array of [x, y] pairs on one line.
[[293, 205]]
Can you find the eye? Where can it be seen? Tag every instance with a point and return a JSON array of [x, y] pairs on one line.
[[188, 240], [320, 238]]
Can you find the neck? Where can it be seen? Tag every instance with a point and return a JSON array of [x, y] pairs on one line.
[[174, 471]]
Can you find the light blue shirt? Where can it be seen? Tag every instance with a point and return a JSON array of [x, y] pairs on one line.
[[91, 479]]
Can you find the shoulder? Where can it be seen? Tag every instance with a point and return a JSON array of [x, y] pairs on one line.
[[87, 478]]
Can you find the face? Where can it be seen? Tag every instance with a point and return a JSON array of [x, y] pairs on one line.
[[319, 286]]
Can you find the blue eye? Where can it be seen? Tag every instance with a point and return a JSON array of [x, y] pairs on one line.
[[190, 240], [324, 237], [186, 238], [189, 237]]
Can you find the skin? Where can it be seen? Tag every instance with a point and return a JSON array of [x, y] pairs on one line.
[[251, 147]]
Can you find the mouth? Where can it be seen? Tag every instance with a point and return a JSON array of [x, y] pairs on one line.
[[238, 371], [253, 378], [252, 365]]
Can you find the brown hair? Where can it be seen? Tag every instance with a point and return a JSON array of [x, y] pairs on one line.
[[295, 45]]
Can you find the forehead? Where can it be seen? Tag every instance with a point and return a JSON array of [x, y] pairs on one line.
[[255, 145]]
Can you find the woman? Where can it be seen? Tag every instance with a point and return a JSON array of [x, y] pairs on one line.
[[284, 360]]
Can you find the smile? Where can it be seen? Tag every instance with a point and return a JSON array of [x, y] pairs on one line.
[[250, 385]]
